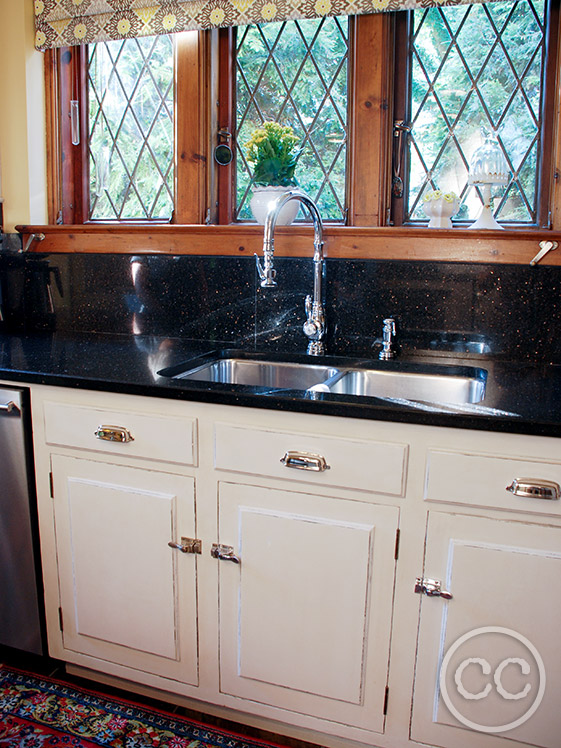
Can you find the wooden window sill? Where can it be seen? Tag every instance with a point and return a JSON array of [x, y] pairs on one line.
[[396, 243]]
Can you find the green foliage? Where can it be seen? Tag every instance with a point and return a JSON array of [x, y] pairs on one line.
[[272, 151], [296, 73], [131, 140], [466, 85]]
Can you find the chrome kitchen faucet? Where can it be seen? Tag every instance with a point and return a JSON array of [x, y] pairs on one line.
[[314, 326]]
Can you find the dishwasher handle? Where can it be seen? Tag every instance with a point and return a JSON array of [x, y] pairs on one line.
[[9, 407]]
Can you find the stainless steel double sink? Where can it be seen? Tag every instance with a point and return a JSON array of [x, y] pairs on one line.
[[394, 380]]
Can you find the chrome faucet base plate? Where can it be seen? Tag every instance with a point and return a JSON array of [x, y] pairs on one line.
[[316, 348]]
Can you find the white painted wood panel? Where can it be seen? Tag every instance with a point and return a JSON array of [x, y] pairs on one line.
[[125, 595], [377, 467], [120, 570], [503, 575], [316, 557], [304, 617]]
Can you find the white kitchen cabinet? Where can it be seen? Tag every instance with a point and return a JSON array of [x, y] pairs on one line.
[[318, 627], [305, 610], [505, 582], [125, 596]]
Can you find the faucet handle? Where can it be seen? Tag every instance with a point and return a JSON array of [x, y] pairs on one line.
[[314, 326], [389, 326], [310, 325], [266, 274]]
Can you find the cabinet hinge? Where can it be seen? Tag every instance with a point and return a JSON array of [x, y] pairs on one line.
[[60, 619], [396, 552], [386, 695], [51, 485]]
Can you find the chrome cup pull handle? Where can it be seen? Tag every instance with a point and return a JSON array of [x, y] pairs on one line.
[[532, 488], [305, 461], [113, 434]]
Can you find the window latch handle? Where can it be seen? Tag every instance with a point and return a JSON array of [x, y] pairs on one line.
[[400, 131], [75, 122]]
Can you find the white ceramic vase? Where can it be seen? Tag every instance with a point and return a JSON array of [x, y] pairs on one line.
[[264, 198], [440, 211]]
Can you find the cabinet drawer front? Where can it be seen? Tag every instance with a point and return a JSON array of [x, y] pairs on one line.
[[330, 461], [483, 480], [152, 437]]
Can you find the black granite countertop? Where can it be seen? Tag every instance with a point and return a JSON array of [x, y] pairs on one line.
[[519, 398]]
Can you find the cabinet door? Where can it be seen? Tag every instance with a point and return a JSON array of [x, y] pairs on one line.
[[305, 616], [126, 596], [495, 644]]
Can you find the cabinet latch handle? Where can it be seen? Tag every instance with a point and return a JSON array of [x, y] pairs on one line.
[[431, 587], [530, 488], [113, 434], [224, 553], [187, 545], [305, 461]]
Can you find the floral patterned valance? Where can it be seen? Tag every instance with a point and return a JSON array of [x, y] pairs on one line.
[[62, 23]]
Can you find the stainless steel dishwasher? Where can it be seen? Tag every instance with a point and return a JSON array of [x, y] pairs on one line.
[[21, 609]]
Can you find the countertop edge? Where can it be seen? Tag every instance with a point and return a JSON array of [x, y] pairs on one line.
[[338, 408]]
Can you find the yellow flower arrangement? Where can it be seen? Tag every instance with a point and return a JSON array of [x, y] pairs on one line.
[[449, 197], [272, 152]]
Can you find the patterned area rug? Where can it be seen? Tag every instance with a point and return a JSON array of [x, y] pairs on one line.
[[36, 712]]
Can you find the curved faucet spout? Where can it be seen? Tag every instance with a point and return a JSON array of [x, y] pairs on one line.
[[314, 327]]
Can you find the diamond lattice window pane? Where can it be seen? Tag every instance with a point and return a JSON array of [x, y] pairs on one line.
[[295, 73], [131, 153], [476, 71]]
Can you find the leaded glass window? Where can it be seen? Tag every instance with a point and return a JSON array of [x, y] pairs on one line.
[[131, 129], [476, 72], [295, 73]]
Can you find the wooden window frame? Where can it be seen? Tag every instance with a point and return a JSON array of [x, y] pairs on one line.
[[205, 104], [549, 102], [369, 120], [203, 189], [68, 165]]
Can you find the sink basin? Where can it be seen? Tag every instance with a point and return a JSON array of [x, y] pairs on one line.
[[431, 383], [255, 373], [436, 384]]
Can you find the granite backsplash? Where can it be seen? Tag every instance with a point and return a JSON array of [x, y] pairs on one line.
[[512, 312]]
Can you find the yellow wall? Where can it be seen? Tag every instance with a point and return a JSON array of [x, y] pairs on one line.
[[22, 117]]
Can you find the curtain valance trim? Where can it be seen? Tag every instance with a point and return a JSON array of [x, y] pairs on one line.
[[61, 23]]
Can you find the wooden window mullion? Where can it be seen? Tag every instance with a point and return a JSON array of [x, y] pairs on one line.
[[69, 185], [190, 128], [370, 117], [226, 121], [550, 128], [402, 113]]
